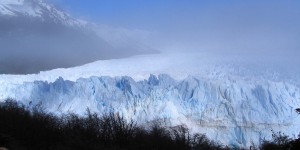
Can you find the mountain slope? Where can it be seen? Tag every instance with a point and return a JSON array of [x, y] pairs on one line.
[[36, 36]]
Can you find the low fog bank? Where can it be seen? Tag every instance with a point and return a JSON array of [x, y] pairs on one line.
[[255, 33]]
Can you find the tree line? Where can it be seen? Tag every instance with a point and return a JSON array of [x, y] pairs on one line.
[[22, 128]]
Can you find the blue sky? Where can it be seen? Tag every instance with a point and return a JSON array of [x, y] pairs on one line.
[[242, 25], [151, 13], [130, 12]]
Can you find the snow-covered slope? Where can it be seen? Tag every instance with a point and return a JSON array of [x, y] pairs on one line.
[[39, 9], [177, 65], [226, 103]]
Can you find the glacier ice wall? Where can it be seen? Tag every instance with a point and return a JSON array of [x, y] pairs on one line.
[[232, 111]]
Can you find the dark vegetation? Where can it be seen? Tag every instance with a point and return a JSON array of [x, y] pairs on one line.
[[298, 110], [280, 141], [21, 129], [24, 129]]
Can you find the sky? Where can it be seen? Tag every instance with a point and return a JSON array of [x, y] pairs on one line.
[[224, 26]]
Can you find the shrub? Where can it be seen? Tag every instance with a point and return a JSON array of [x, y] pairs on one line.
[[281, 141], [22, 128]]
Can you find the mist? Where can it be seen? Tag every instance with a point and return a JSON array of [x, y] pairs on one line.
[[253, 29], [237, 28], [251, 34]]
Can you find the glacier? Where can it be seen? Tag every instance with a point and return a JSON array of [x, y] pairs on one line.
[[233, 102], [230, 110]]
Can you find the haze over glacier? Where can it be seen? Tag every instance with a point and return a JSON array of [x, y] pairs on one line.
[[234, 97]]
